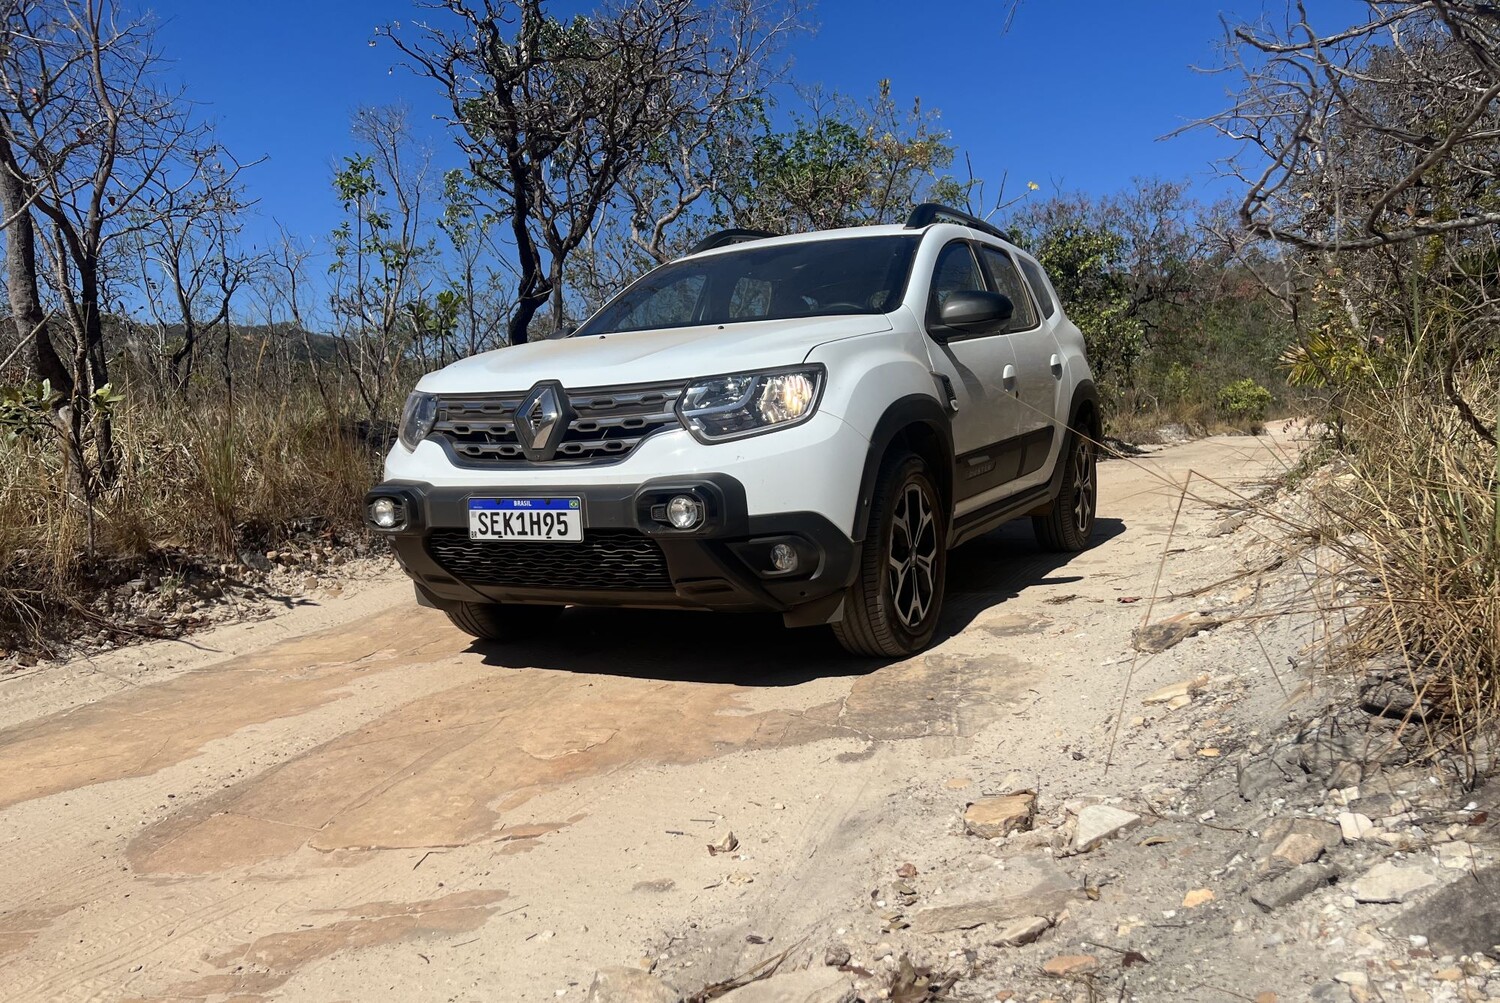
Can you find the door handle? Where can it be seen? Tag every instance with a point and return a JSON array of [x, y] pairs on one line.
[[1009, 377], [1057, 367]]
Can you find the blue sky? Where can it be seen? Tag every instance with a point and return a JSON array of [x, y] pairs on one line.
[[1078, 94]]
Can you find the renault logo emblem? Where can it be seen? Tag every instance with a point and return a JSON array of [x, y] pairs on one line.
[[541, 420]]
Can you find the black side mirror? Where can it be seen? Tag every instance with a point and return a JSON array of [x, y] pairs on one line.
[[975, 312], [566, 331]]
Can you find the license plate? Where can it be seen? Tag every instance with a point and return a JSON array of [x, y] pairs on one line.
[[531, 520]]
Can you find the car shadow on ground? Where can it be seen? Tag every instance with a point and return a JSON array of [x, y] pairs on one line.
[[754, 649]]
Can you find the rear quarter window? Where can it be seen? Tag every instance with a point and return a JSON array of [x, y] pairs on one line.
[[1037, 279]]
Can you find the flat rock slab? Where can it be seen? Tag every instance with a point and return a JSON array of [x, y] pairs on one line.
[[1071, 964], [1287, 888], [1021, 931], [993, 818], [1173, 692], [815, 985], [1099, 822], [628, 985], [1385, 882], [1028, 890], [1463, 918]]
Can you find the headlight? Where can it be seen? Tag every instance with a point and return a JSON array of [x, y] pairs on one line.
[[732, 407], [417, 418]]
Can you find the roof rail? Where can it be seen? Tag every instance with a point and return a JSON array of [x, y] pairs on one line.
[[933, 212], [724, 238]]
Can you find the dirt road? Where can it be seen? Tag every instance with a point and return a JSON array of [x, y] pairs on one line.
[[353, 802]]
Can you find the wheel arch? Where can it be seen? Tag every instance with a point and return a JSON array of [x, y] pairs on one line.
[[916, 423], [1084, 414]]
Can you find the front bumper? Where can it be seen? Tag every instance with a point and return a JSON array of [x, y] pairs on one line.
[[628, 556]]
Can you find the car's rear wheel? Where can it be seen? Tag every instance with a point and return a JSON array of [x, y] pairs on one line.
[[501, 622], [1069, 525], [892, 608]]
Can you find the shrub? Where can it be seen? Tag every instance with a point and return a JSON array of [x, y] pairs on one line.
[[1244, 400]]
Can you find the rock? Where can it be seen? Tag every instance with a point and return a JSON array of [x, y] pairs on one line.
[[1177, 703], [1389, 698], [1256, 776], [1327, 834], [1021, 931], [1027, 888], [1385, 882], [836, 955], [1299, 848], [1099, 822], [1154, 638], [993, 818], [815, 985], [254, 560], [728, 844], [1197, 897], [1463, 918], [1458, 856], [1169, 693], [628, 985], [1355, 826], [1071, 964], [1448, 974], [1287, 888]]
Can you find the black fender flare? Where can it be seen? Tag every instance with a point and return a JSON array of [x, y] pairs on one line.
[[905, 412], [1086, 393]]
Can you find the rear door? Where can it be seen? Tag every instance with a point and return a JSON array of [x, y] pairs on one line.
[[978, 368], [1039, 371]]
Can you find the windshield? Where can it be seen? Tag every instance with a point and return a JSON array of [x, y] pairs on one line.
[[816, 278]]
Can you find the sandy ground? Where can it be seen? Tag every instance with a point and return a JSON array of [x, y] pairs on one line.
[[352, 801]]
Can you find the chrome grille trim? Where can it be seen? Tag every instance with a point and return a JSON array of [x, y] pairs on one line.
[[608, 423]]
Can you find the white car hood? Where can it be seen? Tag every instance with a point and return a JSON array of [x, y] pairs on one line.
[[649, 356]]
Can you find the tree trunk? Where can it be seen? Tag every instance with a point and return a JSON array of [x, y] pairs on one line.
[[42, 360]]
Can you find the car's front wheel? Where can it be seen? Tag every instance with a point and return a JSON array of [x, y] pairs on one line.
[[892, 608], [501, 622]]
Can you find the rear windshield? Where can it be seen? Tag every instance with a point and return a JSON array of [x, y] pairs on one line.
[[818, 278]]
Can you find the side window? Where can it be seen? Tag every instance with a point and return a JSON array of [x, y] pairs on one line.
[[1008, 281], [956, 272], [1038, 280], [673, 305]]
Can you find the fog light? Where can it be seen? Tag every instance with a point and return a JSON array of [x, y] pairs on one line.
[[684, 512], [783, 557], [385, 513]]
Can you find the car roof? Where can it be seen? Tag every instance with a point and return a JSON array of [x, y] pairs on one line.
[[849, 232]]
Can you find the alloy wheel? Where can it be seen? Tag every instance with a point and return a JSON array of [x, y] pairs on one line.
[[1086, 494], [913, 559]]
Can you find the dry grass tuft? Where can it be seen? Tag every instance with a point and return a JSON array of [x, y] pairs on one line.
[[198, 482]]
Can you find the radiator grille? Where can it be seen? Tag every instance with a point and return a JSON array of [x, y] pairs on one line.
[[606, 425], [607, 560]]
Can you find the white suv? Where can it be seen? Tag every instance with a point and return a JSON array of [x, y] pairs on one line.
[[806, 424]]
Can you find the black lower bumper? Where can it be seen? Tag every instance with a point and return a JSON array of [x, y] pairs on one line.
[[629, 555]]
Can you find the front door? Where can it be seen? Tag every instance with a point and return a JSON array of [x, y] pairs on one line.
[[978, 368]]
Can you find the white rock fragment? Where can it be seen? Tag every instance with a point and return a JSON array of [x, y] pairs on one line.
[[1355, 826], [1385, 882], [1098, 822]]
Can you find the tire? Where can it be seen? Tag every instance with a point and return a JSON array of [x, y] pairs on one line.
[[1067, 528], [499, 622], [892, 609]]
